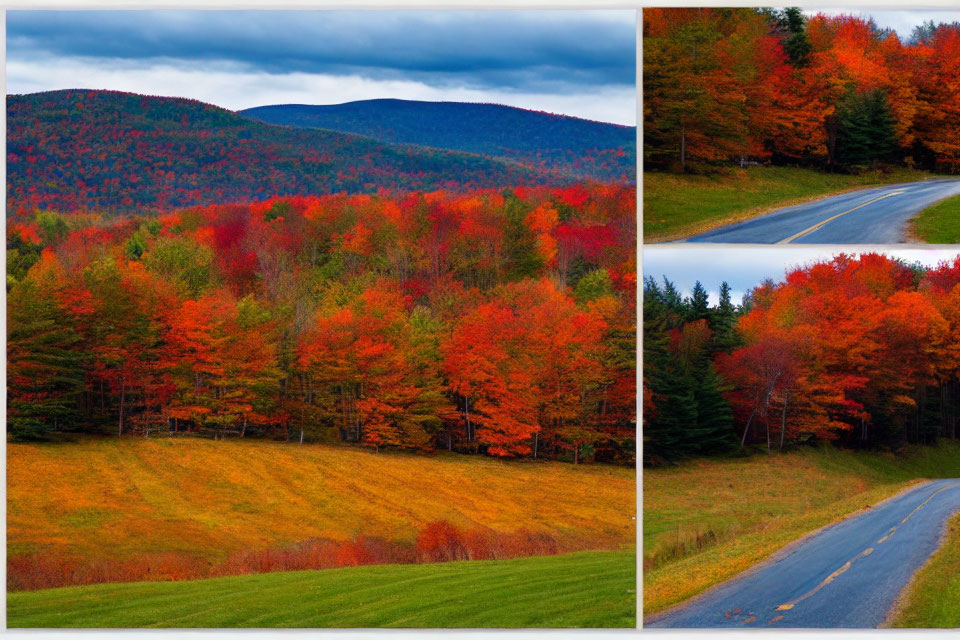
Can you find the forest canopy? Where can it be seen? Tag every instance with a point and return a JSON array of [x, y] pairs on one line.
[[861, 350], [499, 322], [723, 85]]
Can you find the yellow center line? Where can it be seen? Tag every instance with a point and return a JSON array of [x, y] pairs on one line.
[[820, 224], [922, 504], [830, 578], [892, 531]]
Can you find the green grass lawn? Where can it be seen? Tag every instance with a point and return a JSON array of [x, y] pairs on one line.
[[708, 520], [676, 206], [939, 224], [589, 589], [933, 598]]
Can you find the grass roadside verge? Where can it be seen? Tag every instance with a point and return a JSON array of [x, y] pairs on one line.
[[938, 224], [708, 520], [931, 599], [592, 589], [678, 206]]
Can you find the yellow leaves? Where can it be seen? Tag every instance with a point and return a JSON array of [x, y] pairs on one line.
[[547, 247], [187, 412], [903, 400], [543, 219], [358, 241]]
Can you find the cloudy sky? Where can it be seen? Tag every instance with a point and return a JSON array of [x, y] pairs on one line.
[[743, 270], [579, 63], [902, 22]]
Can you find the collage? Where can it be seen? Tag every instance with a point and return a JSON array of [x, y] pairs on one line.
[[324, 319]]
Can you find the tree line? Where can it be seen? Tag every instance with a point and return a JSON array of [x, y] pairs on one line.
[[832, 92], [858, 350], [496, 322]]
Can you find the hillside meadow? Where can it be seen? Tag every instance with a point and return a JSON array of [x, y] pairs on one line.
[[117, 499], [707, 520]]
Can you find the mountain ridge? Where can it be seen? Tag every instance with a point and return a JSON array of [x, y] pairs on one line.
[[553, 142], [77, 149]]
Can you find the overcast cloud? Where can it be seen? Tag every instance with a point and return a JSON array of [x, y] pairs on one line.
[[575, 62], [903, 22], [744, 269]]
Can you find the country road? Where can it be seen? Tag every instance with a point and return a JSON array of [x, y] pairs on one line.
[[847, 575], [877, 215]]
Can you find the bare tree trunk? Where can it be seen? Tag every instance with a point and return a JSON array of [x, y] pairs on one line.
[[743, 440], [123, 389], [767, 421], [783, 420], [683, 147]]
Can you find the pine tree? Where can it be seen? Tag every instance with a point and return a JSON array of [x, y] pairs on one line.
[[793, 26], [674, 413], [699, 303], [523, 259], [714, 430], [44, 375], [865, 130], [723, 320]]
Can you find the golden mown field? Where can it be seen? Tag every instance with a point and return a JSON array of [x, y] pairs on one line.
[[110, 497]]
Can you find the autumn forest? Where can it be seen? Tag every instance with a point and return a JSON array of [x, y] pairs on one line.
[[831, 92], [499, 322], [858, 350]]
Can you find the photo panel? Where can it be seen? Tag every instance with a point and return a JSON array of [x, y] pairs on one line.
[[321, 319], [800, 452]]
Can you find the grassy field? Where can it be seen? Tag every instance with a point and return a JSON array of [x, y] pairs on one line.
[[112, 497], [677, 206], [931, 599], [707, 520], [590, 589], [939, 224]]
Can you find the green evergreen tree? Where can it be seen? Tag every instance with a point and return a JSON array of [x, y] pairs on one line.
[[792, 26], [520, 244], [723, 322], [865, 130], [714, 430], [44, 373], [672, 390], [699, 303]]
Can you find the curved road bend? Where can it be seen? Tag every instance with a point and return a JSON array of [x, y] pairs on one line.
[[877, 215], [847, 575]]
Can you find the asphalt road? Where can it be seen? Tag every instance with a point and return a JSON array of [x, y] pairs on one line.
[[877, 215], [847, 575]]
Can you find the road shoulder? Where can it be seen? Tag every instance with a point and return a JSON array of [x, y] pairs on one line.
[[915, 607]]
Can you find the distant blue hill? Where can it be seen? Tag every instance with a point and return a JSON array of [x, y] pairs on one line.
[[113, 151], [564, 144]]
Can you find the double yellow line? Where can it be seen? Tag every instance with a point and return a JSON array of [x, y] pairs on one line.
[[806, 232]]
